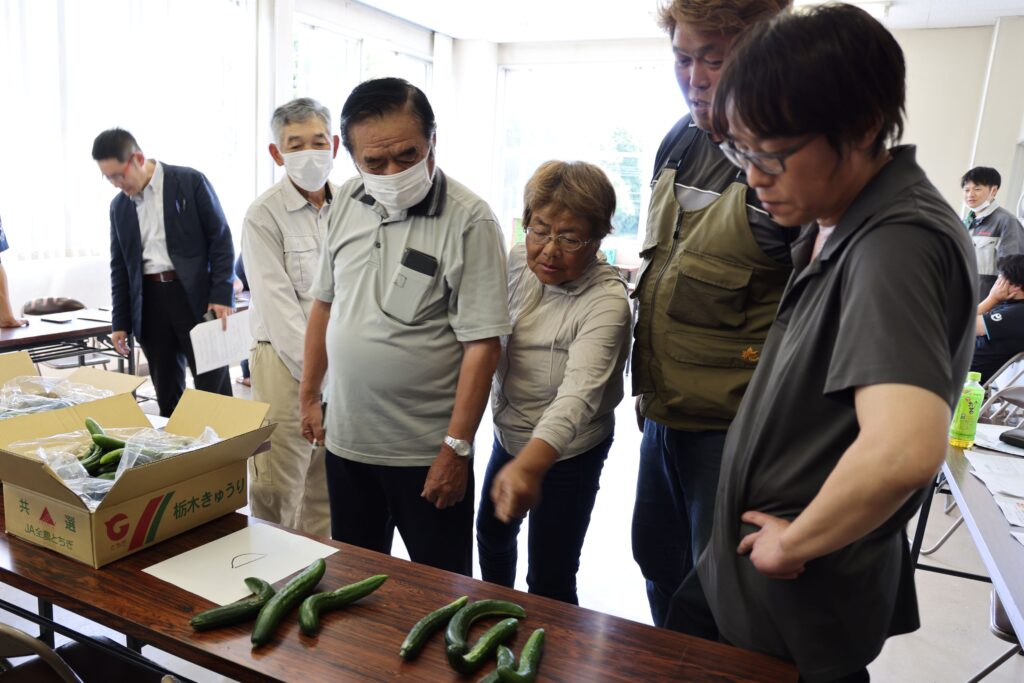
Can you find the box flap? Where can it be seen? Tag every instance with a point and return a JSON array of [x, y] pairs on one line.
[[158, 475], [32, 473], [117, 382], [17, 364], [225, 415], [113, 411]]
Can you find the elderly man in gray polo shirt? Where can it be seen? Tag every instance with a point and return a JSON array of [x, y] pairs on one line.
[[410, 303], [281, 239]]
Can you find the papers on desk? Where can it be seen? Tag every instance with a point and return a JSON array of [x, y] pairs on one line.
[[988, 437], [1003, 476], [215, 347], [217, 570]]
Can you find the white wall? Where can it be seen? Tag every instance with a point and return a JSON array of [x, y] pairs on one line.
[[945, 83]]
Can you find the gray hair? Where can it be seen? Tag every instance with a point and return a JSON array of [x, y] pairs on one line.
[[297, 111]]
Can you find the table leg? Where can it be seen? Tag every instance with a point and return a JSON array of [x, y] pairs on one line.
[[46, 612], [922, 521]]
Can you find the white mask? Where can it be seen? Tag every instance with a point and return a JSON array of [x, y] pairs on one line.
[[400, 191], [309, 168]]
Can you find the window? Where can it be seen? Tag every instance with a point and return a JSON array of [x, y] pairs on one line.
[[611, 115], [73, 69], [329, 63]]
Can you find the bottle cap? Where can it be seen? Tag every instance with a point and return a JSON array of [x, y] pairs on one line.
[[973, 376]]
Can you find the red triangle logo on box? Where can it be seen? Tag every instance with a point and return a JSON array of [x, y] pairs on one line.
[[45, 517]]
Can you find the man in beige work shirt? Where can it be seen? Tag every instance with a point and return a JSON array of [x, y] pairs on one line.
[[281, 240]]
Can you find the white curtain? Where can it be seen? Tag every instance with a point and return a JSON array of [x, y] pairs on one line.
[[179, 74]]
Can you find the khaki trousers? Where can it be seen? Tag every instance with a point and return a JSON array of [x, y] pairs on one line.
[[287, 484]]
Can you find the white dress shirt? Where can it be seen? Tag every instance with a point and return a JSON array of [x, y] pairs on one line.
[[149, 204]]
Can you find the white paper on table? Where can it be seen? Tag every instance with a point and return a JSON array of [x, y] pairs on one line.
[[1019, 535], [1013, 509], [987, 436], [215, 347], [218, 569], [1000, 473]]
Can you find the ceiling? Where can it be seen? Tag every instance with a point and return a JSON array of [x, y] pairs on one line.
[[504, 21]]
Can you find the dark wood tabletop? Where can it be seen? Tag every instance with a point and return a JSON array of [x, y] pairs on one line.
[[39, 331], [1002, 554], [360, 643]]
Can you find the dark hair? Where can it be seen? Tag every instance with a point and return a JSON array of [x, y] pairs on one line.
[[116, 143], [382, 96], [1012, 268], [576, 186], [982, 175], [833, 71]]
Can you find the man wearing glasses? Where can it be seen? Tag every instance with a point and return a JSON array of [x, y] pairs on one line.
[[171, 262], [714, 266]]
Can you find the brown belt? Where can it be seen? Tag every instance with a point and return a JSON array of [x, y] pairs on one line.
[[166, 276]]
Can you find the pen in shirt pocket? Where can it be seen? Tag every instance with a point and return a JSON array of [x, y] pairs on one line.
[[180, 205]]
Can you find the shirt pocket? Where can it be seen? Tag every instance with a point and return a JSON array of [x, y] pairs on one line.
[[710, 291], [301, 254], [986, 248]]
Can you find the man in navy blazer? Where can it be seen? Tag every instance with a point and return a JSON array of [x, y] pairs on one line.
[[171, 262]]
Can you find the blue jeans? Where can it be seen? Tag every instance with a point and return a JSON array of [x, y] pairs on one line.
[[675, 506], [558, 525]]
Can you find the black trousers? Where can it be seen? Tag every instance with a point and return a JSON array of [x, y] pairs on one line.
[[369, 501], [166, 322]]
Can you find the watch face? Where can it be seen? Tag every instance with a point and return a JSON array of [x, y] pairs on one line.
[[461, 447]]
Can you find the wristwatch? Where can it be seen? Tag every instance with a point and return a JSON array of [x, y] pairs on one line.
[[462, 448]]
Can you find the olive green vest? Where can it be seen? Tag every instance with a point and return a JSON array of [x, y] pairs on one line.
[[707, 297]]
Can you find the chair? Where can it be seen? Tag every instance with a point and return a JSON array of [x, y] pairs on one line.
[[70, 663], [1000, 626]]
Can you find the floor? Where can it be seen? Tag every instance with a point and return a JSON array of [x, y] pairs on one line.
[[952, 644]]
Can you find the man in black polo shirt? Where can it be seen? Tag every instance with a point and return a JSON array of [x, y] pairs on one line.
[[1000, 327], [844, 422]]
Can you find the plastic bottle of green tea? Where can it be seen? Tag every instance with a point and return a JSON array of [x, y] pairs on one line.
[[965, 419]]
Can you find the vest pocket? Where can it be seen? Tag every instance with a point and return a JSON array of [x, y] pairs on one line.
[[709, 374], [709, 291]]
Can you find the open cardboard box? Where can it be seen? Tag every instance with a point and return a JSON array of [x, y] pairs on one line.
[[19, 364], [146, 504]]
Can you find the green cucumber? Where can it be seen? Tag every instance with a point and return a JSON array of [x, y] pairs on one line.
[[106, 475], [92, 450], [529, 661], [113, 456], [484, 648], [313, 606], [425, 627], [107, 443], [289, 596], [506, 658], [242, 610], [458, 628], [93, 426]]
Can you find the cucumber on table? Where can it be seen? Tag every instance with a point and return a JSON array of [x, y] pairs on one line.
[[484, 648], [242, 610], [458, 627], [529, 661], [425, 627], [315, 605], [271, 614]]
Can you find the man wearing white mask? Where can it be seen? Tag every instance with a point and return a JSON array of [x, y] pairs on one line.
[[281, 238], [996, 233], [409, 307]]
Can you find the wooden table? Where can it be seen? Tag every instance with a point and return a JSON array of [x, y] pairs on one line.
[[46, 341], [361, 642], [1001, 554]]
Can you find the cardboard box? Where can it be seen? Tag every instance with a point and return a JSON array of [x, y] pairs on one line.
[[19, 364], [146, 504]]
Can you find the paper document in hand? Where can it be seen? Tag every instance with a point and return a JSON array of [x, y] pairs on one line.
[[215, 347], [217, 570]]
